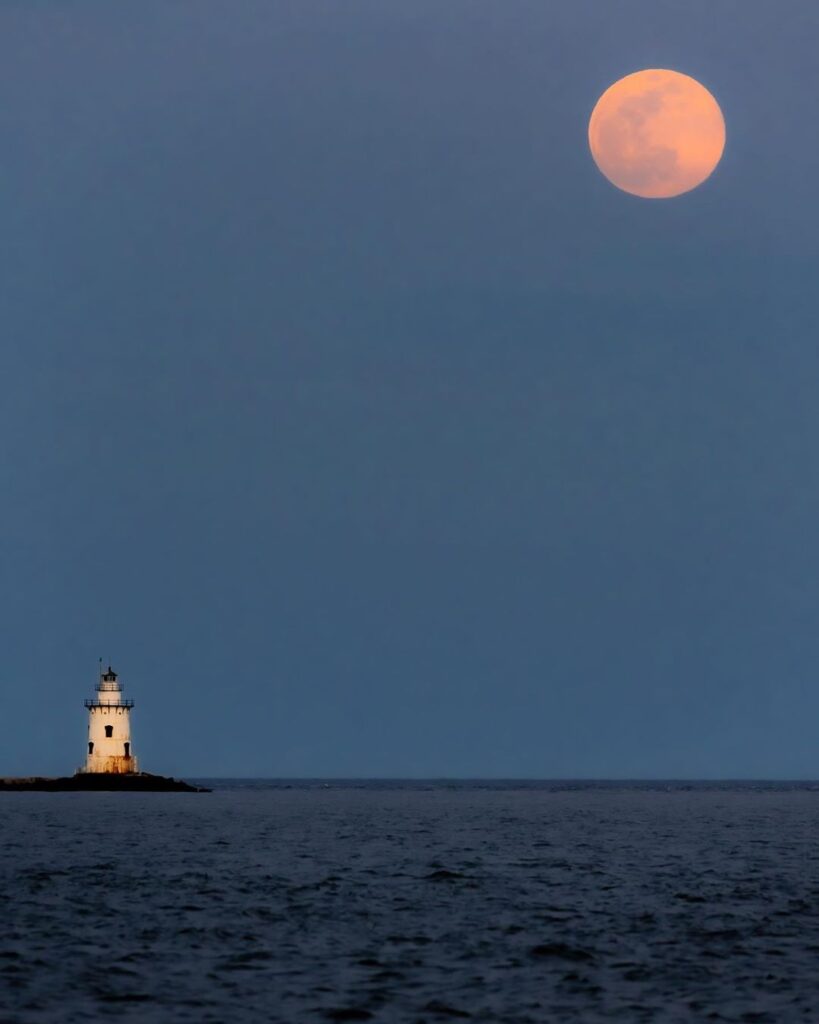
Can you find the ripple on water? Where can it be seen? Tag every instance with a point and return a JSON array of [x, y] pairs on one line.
[[400, 902]]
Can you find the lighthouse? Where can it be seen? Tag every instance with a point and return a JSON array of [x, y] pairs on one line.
[[109, 729]]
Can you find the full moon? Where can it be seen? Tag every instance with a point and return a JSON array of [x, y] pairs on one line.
[[656, 133]]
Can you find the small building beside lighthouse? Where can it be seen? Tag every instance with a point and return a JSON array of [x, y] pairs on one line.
[[109, 729]]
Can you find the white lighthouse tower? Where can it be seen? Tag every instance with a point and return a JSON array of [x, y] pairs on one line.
[[109, 729]]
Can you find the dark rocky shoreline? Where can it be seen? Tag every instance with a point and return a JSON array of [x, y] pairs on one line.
[[140, 782]]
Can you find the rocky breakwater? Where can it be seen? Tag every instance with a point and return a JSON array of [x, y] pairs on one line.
[[140, 782]]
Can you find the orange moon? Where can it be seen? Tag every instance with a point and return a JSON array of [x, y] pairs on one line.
[[656, 133]]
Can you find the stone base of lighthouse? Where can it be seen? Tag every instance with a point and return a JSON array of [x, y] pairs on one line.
[[113, 764]]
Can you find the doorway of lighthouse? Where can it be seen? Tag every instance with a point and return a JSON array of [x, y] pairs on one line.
[[127, 749], [90, 748]]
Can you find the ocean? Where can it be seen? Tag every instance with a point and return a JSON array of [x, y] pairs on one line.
[[409, 901]]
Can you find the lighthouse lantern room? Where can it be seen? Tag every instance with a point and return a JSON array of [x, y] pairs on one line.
[[109, 729]]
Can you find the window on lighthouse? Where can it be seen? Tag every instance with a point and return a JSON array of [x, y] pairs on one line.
[[109, 731], [127, 749], [90, 748]]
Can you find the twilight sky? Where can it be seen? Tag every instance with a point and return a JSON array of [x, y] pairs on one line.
[[367, 429]]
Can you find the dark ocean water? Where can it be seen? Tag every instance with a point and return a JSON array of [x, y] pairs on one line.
[[412, 902]]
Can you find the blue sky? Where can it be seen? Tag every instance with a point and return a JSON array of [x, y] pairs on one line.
[[367, 430]]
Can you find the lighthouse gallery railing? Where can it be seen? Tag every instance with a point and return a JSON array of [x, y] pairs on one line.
[[109, 703]]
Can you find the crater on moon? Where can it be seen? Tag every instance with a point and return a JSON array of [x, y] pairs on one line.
[[657, 133]]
